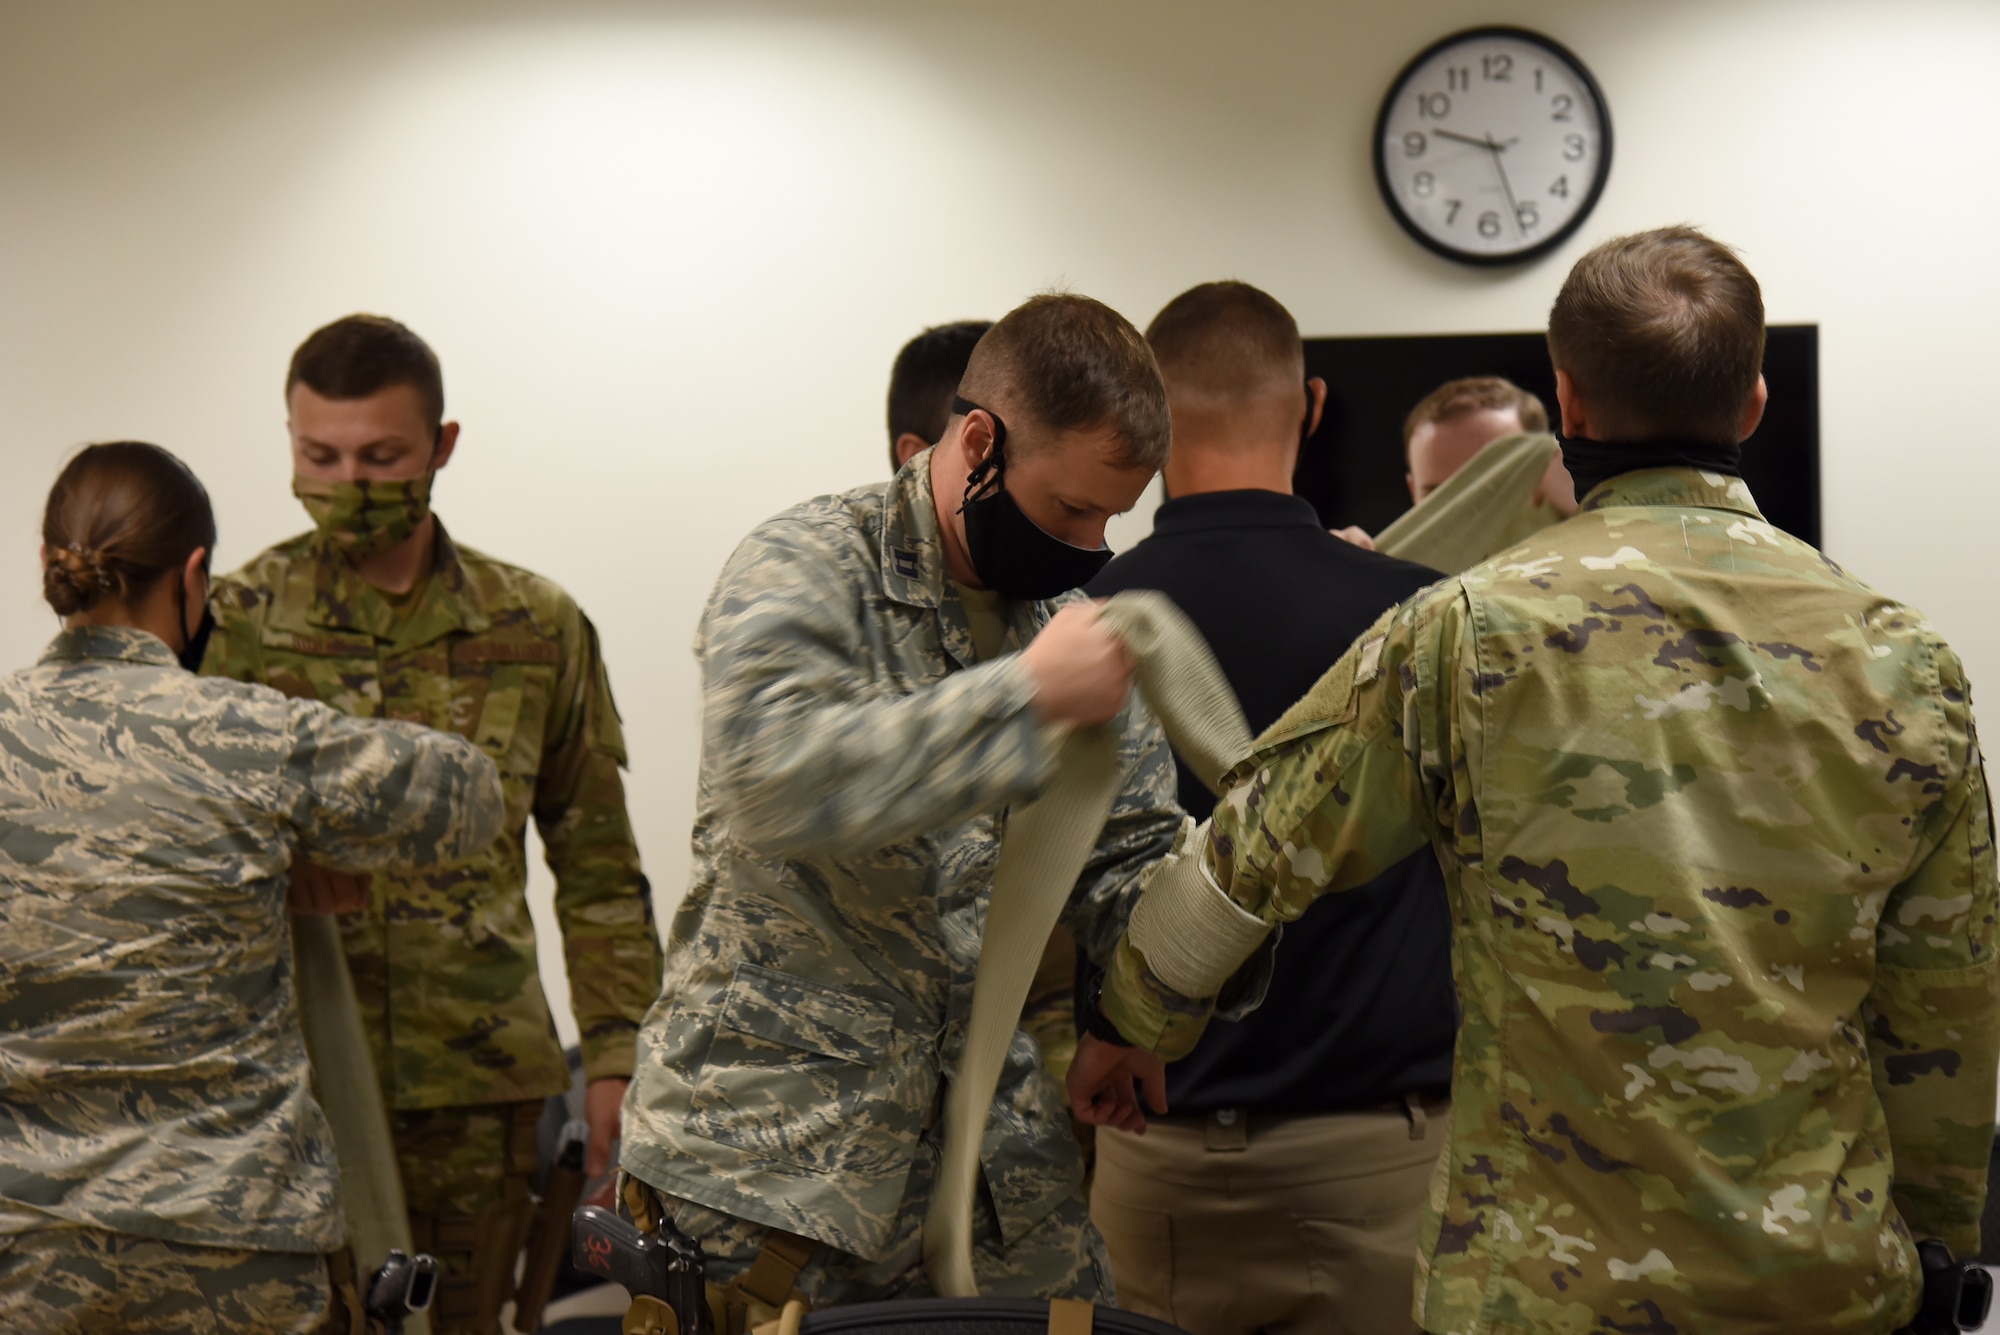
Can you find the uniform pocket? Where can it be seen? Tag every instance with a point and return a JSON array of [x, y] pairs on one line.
[[809, 1075]]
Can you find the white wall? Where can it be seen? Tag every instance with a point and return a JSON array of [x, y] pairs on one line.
[[667, 251]]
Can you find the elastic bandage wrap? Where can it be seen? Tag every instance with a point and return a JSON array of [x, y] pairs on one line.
[[1193, 936]]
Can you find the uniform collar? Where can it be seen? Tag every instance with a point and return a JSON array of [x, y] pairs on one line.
[[1691, 487], [343, 600], [1244, 508], [913, 568], [123, 644]]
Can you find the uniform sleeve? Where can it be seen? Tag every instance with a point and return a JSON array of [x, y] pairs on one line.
[[1144, 820], [235, 649], [603, 901], [808, 755], [368, 794], [1334, 795], [1933, 1013]]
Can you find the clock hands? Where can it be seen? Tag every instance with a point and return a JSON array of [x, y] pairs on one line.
[[1487, 142], [1496, 149]]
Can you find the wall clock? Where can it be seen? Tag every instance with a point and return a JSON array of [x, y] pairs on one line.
[[1492, 146]]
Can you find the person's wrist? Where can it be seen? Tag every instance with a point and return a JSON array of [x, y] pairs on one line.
[[1097, 1024]]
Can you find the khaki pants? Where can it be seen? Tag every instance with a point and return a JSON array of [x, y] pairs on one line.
[[1236, 1224]]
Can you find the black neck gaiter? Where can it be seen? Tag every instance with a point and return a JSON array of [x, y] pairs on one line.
[[1593, 461]]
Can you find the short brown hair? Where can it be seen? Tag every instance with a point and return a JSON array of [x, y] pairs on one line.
[[926, 376], [1227, 341], [1662, 333], [361, 355], [1476, 394], [120, 517], [1073, 364]]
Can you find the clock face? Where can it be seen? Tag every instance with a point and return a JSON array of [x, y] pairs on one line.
[[1493, 146]]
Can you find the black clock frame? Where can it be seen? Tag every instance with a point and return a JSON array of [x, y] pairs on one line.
[[1598, 179]]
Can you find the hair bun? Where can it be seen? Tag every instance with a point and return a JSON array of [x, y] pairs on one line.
[[73, 580]]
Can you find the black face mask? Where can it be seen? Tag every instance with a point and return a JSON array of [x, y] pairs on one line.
[[1591, 462], [1010, 551], [196, 647]]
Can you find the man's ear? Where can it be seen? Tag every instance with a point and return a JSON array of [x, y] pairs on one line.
[[975, 438], [447, 441], [908, 446], [1570, 406], [1316, 392], [1753, 411]]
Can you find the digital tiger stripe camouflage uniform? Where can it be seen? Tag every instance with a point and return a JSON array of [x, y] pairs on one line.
[[1717, 836], [162, 1159]]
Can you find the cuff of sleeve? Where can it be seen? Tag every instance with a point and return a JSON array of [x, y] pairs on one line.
[[613, 1056], [1147, 1012], [1010, 698]]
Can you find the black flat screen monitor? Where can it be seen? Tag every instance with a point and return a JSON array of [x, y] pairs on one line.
[[1352, 468]]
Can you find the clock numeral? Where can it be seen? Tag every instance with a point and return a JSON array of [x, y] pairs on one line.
[[1573, 148], [1562, 102], [1436, 106], [1498, 69], [1528, 215], [1451, 217], [1424, 186], [1538, 78], [1414, 144], [1561, 188], [1457, 78], [1489, 224]]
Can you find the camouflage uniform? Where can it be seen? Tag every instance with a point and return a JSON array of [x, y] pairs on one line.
[[1717, 835], [158, 1134], [445, 961], [857, 767]]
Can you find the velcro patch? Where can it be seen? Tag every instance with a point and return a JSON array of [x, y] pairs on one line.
[[1370, 666], [321, 646], [506, 651]]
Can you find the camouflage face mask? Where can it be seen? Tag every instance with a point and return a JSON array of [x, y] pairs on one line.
[[364, 519]]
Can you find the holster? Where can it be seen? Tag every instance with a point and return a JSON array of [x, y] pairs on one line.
[[491, 1240], [1957, 1295], [548, 1234], [760, 1301]]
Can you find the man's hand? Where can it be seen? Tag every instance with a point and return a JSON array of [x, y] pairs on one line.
[[317, 889], [1100, 1084], [1355, 534], [1082, 672], [602, 1099]]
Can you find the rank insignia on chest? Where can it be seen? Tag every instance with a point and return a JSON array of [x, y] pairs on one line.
[[906, 563]]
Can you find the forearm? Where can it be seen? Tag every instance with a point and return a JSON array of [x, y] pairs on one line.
[[1935, 1047], [1933, 1020], [802, 775], [604, 906]]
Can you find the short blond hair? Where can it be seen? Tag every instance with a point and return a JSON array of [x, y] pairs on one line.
[[1475, 394]]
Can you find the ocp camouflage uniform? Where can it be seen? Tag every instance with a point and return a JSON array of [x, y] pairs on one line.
[[163, 1164], [858, 762], [444, 962], [1718, 841]]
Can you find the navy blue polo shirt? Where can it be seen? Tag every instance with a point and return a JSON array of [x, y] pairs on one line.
[[1361, 1009]]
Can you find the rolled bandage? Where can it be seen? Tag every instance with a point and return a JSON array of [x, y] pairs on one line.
[[1193, 936]]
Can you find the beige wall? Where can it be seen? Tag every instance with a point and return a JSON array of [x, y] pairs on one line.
[[667, 251]]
